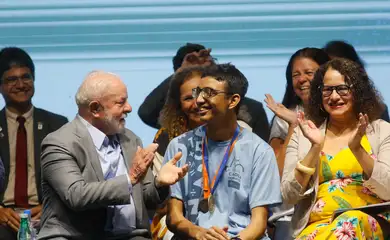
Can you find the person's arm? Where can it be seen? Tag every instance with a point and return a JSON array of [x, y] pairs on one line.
[[280, 146], [61, 171], [257, 226], [376, 170], [150, 109], [295, 184], [178, 224], [264, 191]]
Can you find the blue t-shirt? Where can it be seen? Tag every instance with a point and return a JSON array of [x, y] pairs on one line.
[[250, 179]]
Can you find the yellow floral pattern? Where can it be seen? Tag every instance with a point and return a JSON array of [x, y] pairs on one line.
[[340, 187]]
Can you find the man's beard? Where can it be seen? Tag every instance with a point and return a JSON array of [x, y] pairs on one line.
[[113, 126]]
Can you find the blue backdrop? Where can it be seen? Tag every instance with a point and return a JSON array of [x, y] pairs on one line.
[[137, 39]]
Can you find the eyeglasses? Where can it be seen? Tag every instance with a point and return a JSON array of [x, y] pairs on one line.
[[206, 92], [12, 80], [342, 90]]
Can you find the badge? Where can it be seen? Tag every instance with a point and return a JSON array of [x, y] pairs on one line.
[[40, 125]]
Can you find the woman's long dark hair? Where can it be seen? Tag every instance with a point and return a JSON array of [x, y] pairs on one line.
[[290, 99]]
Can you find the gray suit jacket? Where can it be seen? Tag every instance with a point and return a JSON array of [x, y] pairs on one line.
[[49, 121], [75, 194]]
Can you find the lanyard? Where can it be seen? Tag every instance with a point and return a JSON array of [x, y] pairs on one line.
[[220, 170]]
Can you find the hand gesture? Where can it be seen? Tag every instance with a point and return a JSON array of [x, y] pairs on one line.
[[142, 160], [196, 59], [310, 130], [169, 173], [213, 233], [9, 217], [354, 141], [281, 111]]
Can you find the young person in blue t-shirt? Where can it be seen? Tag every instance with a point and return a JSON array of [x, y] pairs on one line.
[[233, 176]]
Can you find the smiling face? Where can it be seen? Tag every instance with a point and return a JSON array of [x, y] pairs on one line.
[[339, 103], [213, 100], [303, 70], [188, 102], [111, 110], [17, 86]]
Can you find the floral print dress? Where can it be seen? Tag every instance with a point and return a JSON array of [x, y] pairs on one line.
[[341, 186]]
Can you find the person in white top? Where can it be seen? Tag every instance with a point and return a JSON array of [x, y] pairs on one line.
[[299, 73]]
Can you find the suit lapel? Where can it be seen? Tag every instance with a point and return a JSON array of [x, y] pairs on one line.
[[40, 130], [128, 150], [82, 132], [4, 146]]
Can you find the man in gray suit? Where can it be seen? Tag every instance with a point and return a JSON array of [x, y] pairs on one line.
[[96, 178], [22, 129]]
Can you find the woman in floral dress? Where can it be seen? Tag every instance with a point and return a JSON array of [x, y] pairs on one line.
[[339, 158]]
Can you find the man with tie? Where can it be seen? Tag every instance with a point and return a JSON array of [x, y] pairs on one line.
[[22, 129], [97, 181]]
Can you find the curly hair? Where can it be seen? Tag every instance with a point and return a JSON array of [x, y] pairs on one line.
[[366, 99], [290, 99], [172, 118]]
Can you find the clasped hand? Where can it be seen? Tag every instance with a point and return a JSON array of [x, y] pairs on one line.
[[169, 173]]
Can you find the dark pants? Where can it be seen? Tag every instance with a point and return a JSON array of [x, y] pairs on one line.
[[6, 233]]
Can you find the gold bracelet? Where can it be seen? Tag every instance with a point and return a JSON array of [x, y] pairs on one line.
[[304, 169]]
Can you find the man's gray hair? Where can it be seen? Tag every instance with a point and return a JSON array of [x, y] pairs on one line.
[[94, 86]]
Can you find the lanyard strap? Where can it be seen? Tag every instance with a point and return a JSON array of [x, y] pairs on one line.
[[220, 170]]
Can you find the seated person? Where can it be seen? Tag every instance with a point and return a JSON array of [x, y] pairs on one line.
[[179, 115], [22, 129], [251, 112], [95, 174], [233, 176], [339, 158], [299, 73]]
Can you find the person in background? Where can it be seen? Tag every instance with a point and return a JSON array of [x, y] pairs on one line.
[[338, 48], [339, 157], [251, 112], [179, 115], [22, 129], [299, 73], [233, 173]]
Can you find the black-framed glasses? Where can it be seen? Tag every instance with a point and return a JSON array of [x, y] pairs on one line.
[[12, 80], [206, 92], [342, 90]]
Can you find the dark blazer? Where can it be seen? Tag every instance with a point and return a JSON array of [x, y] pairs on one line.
[[75, 193], [48, 122], [251, 111]]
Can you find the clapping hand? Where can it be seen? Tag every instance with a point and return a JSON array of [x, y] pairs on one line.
[[141, 162], [354, 141], [310, 130], [169, 173], [281, 111]]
